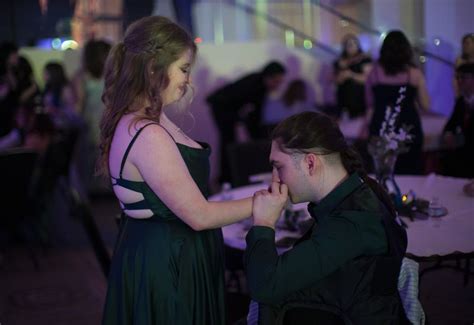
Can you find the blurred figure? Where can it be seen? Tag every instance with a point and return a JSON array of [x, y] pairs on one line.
[[8, 86], [88, 85], [395, 69], [40, 133], [351, 71], [292, 102], [243, 100], [26, 96], [58, 98], [458, 135], [467, 56], [27, 87]]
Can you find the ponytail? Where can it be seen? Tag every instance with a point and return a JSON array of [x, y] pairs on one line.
[[352, 162]]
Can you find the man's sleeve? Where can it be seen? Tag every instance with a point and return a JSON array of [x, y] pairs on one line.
[[271, 277]]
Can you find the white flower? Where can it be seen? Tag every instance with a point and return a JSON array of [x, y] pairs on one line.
[[402, 135], [392, 145], [400, 99]]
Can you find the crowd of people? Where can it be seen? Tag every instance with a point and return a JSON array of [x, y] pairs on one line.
[[364, 89], [32, 117]]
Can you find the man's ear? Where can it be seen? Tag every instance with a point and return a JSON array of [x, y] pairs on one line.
[[312, 163]]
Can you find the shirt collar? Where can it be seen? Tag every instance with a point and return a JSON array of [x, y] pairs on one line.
[[335, 197]]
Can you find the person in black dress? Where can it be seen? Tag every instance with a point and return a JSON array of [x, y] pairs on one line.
[[229, 102], [168, 265], [395, 69], [351, 70]]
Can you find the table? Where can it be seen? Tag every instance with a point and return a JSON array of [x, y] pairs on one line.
[[432, 239], [429, 240]]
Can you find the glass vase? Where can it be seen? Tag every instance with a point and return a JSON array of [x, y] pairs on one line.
[[384, 166]]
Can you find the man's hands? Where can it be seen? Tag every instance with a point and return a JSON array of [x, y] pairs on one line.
[[268, 204]]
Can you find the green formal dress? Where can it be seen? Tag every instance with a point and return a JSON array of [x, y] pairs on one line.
[[163, 271]]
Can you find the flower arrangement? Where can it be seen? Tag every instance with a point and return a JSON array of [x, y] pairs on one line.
[[391, 141], [385, 148]]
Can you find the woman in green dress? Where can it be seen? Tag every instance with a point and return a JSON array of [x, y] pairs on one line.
[[167, 266]]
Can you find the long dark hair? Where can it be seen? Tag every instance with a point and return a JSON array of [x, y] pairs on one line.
[[396, 53], [345, 40], [137, 69], [318, 133], [466, 37], [296, 91], [94, 56], [56, 82]]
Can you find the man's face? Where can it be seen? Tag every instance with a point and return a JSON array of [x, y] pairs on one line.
[[466, 83], [290, 170], [273, 82]]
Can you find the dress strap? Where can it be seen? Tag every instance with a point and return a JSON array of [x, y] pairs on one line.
[[130, 146], [122, 165]]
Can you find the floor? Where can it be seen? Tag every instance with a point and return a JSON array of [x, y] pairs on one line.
[[69, 287]]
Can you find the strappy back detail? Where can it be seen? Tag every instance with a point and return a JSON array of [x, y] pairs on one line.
[[136, 186]]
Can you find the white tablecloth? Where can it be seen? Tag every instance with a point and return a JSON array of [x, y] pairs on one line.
[[434, 236], [444, 235]]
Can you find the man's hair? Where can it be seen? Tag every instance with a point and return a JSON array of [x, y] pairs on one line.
[[273, 68], [314, 132]]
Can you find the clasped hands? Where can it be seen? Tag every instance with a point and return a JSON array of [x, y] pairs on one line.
[[268, 204]]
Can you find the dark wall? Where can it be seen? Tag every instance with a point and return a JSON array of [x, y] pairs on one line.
[[21, 20]]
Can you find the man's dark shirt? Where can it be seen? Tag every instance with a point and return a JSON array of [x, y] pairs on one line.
[[336, 264]]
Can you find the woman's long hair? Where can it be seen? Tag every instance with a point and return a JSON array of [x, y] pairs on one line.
[[136, 71], [295, 92], [345, 40], [465, 55], [318, 133], [56, 82], [396, 53]]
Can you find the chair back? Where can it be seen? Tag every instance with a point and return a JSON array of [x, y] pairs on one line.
[[17, 168]]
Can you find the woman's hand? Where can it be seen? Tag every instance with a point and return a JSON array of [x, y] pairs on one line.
[[268, 204]]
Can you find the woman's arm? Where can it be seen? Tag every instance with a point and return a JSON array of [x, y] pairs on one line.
[[362, 77], [160, 164], [369, 101], [423, 96]]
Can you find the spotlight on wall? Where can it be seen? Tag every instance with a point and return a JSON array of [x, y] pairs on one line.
[[437, 41], [307, 44], [56, 43], [69, 45]]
